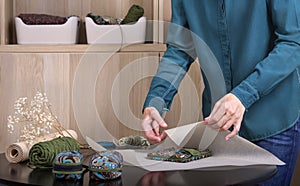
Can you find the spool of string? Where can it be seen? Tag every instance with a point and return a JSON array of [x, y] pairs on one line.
[[42, 154], [19, 151], [133, 14]]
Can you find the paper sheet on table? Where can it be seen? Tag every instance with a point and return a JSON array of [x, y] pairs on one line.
[[234, 152]]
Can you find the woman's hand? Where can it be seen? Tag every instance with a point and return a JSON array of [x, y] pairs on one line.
[[227, 112], [152, 121]]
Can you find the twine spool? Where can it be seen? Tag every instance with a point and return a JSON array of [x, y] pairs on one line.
[[18, 152]]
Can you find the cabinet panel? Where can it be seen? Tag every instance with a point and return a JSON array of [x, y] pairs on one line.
[[6, 10], [187, 105], [120, 89], [58, 7], [116, 8], [165, 12], [22, 75]]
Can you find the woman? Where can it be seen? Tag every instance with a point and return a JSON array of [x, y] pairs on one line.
[[257, 46]]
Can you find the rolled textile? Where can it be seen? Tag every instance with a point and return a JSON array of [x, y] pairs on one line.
[[133, 14], [42, 154], [133, 141], [18, 152]]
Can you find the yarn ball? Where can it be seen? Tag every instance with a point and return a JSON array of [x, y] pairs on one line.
[[68, 165], [106, 165]]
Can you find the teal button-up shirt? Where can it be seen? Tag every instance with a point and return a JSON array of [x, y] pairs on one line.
[[257, 46]]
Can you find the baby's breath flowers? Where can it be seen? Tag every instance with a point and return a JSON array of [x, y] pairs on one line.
[[32, 119]]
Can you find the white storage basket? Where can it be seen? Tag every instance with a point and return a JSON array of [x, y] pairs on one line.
[[115, 34], [66, 33]]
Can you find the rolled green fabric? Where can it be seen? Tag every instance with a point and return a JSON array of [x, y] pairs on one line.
[[42, 154], [133, 14]]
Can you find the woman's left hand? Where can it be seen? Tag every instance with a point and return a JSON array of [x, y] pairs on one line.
[[227, 112]]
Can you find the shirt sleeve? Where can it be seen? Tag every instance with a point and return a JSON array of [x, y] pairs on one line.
[[174, 63], [282, 60]]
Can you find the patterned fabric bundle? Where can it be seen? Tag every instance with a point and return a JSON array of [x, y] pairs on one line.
[[183, 155], [42, 154], [103, 20], [134, 141], [42, 19], [133, 14], [68, 165], [106, 165]]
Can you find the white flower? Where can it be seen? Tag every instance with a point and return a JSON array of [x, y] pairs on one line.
[[33, 119]]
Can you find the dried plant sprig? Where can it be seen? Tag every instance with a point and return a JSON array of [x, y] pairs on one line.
[[32, 119]]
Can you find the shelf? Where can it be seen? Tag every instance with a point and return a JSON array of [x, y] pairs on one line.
[[81, 48], [9, 9]]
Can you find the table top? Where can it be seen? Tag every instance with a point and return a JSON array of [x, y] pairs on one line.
[[20, 174]]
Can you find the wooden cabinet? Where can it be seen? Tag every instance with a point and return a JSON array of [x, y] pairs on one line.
[[158, 12], [119, 87], [12, 8]]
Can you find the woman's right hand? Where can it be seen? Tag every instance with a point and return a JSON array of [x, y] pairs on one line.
[[152, 121]]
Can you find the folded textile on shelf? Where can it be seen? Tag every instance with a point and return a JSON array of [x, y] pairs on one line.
[[134, 13], [42, 19], [103, 20]]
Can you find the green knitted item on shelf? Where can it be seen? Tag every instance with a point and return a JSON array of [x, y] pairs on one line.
[[42, 154], [133, 14]]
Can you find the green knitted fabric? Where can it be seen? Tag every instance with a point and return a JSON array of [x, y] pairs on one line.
[[42, 154], [133, 14]]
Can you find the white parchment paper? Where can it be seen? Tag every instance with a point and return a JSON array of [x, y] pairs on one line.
[[234, 152]]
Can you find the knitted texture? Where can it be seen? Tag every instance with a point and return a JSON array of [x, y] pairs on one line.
[[42, 19], [133, 14], [42, 154]]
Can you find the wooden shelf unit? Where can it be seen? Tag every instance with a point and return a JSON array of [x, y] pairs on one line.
[[26, 69], [81, 48], [11, 8]]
